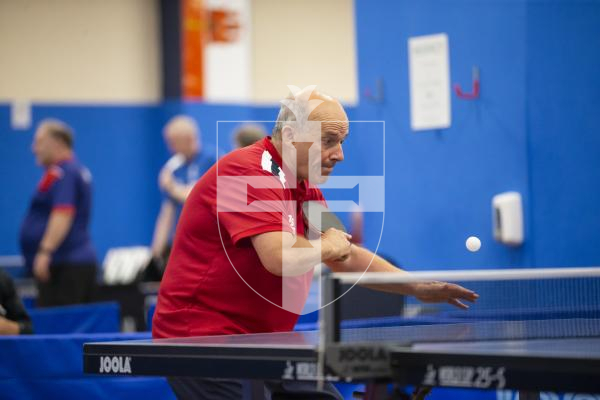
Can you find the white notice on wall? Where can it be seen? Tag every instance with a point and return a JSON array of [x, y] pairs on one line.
[[20, 115], [429, 75]]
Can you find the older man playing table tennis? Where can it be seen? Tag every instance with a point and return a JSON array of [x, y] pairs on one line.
[[241, 262]]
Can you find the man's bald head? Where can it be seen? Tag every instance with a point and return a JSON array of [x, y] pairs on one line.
[[309, 132], [319, 107], [248, 134], [58, 130], [182, 135], [181, 125], [53, 141]]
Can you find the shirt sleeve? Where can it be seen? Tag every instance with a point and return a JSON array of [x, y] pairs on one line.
[[315, 194], [246, 210], [64, 192]]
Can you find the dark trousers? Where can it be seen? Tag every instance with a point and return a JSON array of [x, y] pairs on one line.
[[68, 284], [188, 388]]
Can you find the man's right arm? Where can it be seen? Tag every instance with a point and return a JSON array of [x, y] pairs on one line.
[[8, 327], [164, 223], [427, 292], [282, 254]]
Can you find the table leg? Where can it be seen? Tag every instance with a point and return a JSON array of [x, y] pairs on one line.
[[525, 395]]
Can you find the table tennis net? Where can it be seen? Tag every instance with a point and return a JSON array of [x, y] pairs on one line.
[[532, 307]]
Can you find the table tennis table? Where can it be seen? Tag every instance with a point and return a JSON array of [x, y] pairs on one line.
[[484, 358], [558, 354]]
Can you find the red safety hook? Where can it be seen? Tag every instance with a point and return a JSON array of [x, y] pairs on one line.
[[475, 93]]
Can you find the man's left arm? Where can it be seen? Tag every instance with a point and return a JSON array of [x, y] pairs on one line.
[[428, 292], [180, 191], [177, 191], [59, 224], [8, 327]]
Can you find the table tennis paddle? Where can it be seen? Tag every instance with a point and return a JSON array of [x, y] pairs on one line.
[[318, 219]]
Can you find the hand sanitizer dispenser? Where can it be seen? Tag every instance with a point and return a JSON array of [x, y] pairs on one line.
[[508, 218]]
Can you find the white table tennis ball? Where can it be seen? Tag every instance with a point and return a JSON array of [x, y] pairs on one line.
[[473, 243]]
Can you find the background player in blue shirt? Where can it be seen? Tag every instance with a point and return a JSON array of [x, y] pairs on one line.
[[176, 179], [55, 238]]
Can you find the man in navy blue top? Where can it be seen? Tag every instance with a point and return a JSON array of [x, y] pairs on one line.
[[176, 179], [55, 238]]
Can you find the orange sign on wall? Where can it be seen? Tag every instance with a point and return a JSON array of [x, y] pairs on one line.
[[200, 27], [192, 48], [224, 26]]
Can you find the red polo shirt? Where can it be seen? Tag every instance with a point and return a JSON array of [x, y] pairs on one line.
[[214, 282]]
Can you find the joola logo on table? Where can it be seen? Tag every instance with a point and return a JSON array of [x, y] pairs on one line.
[[121, 365], [362, 354]]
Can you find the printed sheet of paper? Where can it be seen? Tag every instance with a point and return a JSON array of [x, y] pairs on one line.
[[429, 75], [20, 115]]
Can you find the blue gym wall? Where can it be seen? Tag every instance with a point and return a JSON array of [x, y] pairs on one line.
[[535, 129], [439, 183], [563, 110]]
